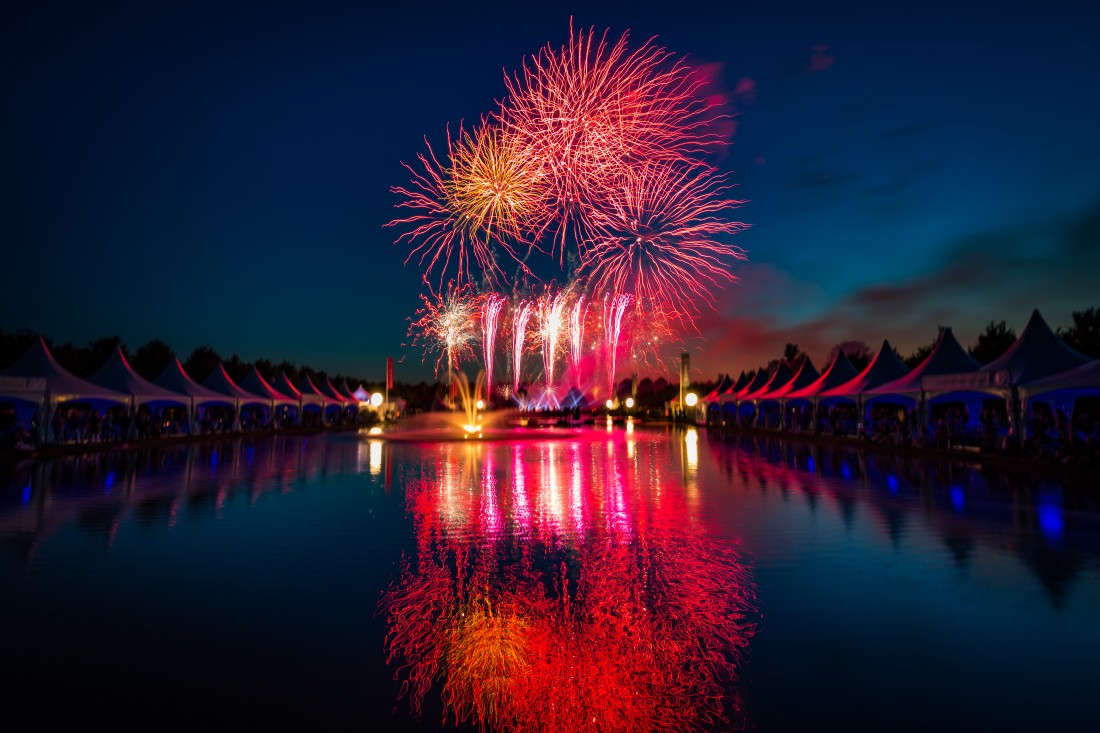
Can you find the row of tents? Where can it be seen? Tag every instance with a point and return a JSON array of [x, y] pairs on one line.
[[37, 386], [1039, 366]]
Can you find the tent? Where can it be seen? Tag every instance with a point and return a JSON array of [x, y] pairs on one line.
[[309, 389], [724, 383], [283, 384], [256, 384], [1084, 380], [38, 368], [885, 367], [805, 376], [780, 377], [838, 373], [117, 374], [175, 379], [947, 357], [360, 393], [219, 381], [329, 390], [1037, 353]]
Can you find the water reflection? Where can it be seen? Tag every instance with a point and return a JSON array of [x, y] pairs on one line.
[[153, 486], [545, 596]]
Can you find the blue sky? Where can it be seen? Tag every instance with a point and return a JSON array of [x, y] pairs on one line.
[[220, 174]]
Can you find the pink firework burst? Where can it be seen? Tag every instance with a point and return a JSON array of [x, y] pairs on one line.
[[491, 306], [592, 107], [659, 235]]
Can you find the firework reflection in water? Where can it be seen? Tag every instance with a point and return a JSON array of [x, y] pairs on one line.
[[537, 614]]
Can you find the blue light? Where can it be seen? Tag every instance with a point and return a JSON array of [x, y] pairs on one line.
[[892, 483], [1049, 506], [845, 471], [811, 465], [957, 498], [251, 452], [27, 494], [214, 459], [109, 481]]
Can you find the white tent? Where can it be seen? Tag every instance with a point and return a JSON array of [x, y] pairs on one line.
[[219, 381], [256, 384], [836, 374], [61, 385], [1083, 380], [885, 367], [947, 357], [1037, 353], [176, 379], [117, 374], [284, 385]]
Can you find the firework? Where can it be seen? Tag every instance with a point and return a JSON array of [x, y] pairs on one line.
[[551, 310], [613, 309], [468, 208], [447, 322], [576, 333], [521, 315], [490, 320], [658, 237], [590, 108]]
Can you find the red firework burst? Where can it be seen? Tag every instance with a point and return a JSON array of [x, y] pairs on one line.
[[658, 235], [590, 108]]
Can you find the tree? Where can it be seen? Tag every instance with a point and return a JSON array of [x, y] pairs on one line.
[[13, 344], [1084, 334], [994, 341], [237, 368], [200, 364], [858, 352], [793, 357], [265, 368], [100, 350], [917, 357], [152, 358], [288, 368]]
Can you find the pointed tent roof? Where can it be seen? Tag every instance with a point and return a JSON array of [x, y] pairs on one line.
[[328, 389], [724, 384], [220, 381], [839, 372], [62, 385], [1037, 353], [175, 378], [360, 393], [740, 384], [117, 374], [805, 376], [1085, 378], [781, 376], [256, 384], [310, 392], [757, 382], [885, 367], [284, 385], [947, 357]]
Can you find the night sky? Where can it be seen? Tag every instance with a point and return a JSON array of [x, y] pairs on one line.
[[220, 174]]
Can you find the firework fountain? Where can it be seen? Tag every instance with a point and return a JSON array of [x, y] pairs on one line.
[[490, 320], [613, 309], [551, 310], [520, 318]]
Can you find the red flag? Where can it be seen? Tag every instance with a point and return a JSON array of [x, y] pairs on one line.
[[389, 372]]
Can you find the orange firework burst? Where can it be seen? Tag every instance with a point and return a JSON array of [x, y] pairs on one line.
[[480, 201], [657, 235]]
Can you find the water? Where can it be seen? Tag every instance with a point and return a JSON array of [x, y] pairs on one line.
[[615, 581]]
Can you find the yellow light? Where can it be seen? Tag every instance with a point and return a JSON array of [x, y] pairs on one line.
[[609, 404], [375, 430], [481, 404], [691, 399], [629, 402], [376, 399]]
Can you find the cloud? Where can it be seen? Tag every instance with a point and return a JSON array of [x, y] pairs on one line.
[[820, 58], [745, 91], [998, 274]]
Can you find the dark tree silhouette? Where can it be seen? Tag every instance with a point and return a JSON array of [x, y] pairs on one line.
[[100, 350], [266, 368], [1084, 334], [917, 357], [994, 341], [289, 369], [237, 368], [793, 357], [858, 352], [152, 358], [13, 344], [200, 364]]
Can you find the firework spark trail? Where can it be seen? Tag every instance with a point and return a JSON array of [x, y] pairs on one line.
[[658, 237], [576, 334], [613, 309], [521, 315], [551, 310], [481, 199], [490, 322], [447, 322], [591, 108]]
